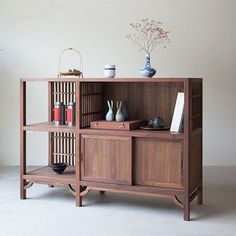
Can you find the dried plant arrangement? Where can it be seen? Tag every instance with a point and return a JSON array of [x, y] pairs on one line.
[[148, 34]]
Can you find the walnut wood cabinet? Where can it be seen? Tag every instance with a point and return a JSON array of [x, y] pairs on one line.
[[155, 163]]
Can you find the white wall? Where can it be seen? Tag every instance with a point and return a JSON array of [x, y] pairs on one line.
[[203, 44]]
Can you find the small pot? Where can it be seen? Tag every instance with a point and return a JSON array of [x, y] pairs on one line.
[[58, 167], [109, 71], [157, 122]]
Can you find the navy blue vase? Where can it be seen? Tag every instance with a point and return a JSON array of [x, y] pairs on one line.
[[147, 71]]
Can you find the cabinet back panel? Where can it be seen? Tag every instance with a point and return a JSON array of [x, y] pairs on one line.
[[159, 98], [91, 103]]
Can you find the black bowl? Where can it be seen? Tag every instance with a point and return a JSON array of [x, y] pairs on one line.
[[58, 167]]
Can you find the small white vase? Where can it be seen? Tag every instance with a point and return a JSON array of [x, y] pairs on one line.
[[110, 114], [119, 113]]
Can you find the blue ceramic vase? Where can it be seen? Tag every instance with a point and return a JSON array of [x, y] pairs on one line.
[[147, 71]]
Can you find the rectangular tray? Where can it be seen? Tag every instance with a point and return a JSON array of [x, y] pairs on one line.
[[116, 125]]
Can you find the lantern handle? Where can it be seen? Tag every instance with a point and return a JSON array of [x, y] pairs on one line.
[[60, 60]]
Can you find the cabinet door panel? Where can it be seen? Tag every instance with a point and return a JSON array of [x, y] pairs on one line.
[[106, 159], [157, 163]]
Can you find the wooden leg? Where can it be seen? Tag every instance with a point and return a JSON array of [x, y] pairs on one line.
[[22, 164], [50, 140], [22, 138], [77, 164], [79, 202], [22, 189], [186, 208], [199, 197], [187, 212]]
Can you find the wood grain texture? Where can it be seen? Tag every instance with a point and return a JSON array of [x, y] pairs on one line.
[[145, 100], [47, 176], [186, 149], [49, 127], [22, 138], [50, 119], [138, 189], [157, 163], [195, 160], [106, 159], [135, 133], [146, 80]]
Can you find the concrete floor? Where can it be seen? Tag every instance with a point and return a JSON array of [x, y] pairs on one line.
[[53, 212]]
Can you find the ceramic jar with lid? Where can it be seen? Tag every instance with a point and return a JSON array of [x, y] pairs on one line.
[[109, 71]]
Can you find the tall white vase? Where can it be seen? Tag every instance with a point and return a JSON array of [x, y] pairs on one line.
[[110, 114], [119, 113]]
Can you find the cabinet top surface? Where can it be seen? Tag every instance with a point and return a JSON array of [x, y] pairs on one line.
[[73, 79]]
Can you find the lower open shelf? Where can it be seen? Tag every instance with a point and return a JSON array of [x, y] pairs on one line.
[[46, 175]]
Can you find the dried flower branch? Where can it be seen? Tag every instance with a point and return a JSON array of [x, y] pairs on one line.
[[148, 34]]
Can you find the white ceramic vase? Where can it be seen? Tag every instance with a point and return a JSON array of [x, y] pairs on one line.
[[110, 114], [119, 113]]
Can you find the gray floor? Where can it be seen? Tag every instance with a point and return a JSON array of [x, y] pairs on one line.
[[53, 212]]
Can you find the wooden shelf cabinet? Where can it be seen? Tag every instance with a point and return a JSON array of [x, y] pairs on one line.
[[156, 163]]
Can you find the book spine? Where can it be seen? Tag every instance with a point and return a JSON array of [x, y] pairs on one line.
[[178, 113]]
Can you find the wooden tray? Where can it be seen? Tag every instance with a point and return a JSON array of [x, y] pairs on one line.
[[147, 127], [78, 73], [115, 125]]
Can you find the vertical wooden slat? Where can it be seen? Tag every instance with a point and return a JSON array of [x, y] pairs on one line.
[[66, 134], [59, 90], [200, 195], [73, 149], [22, 138], [64, 157], [61, 147], [56, 148], [77, 143], [87, 105], [69, 143], [186, 150], [74, 93], [50, 119]]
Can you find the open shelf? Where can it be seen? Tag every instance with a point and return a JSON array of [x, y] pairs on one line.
[[47, 176], [49, 127], [134, 133]]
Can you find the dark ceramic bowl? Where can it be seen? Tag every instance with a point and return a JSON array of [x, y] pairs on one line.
[[58, 167]]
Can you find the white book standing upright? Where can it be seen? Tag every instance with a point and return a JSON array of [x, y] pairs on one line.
[[178, 113]]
